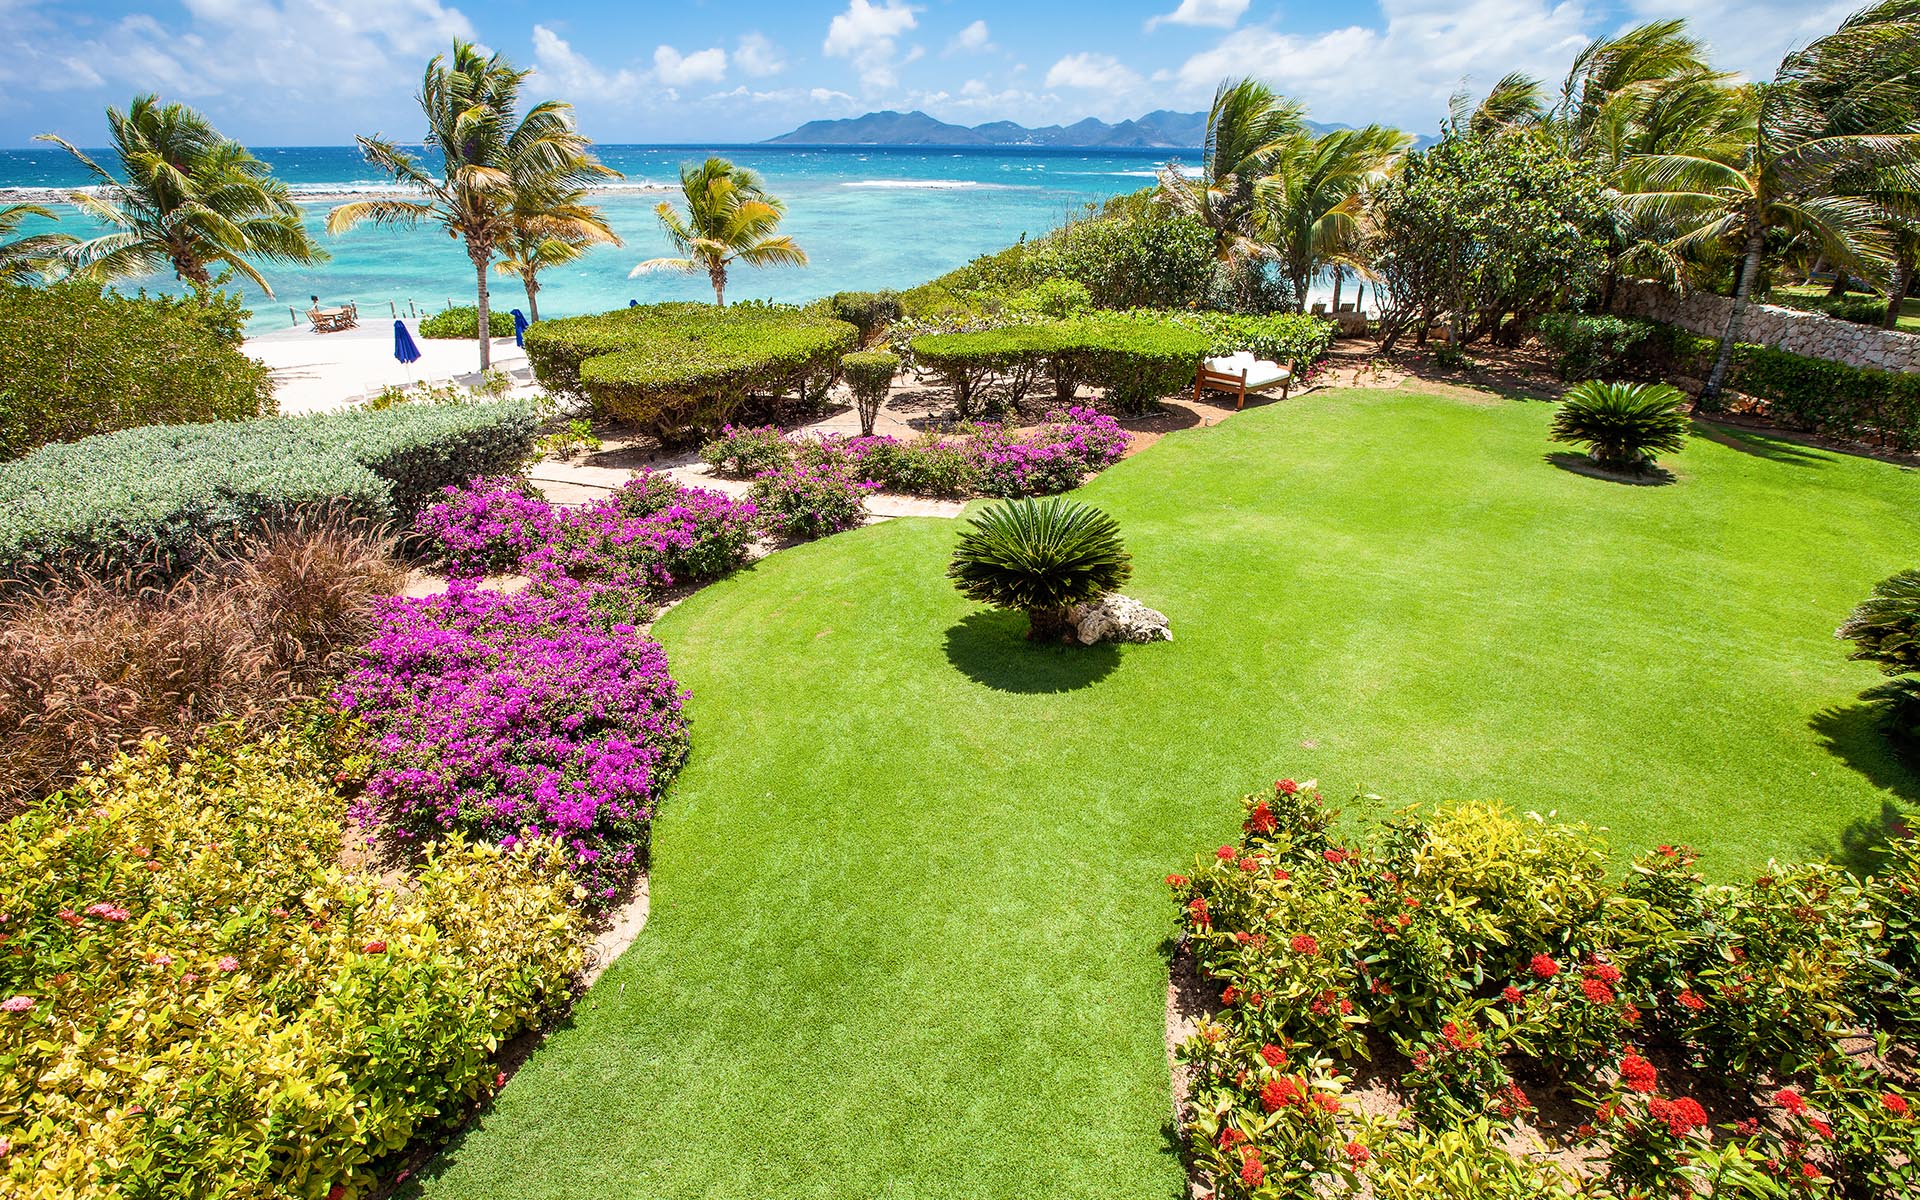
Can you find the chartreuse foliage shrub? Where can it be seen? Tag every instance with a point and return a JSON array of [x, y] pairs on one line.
[[463, 321], [676, 368], [158, 498], [1588, 346], [76, 360], [868, 312], [1296, 340], [1040, 557], [196, 1000], [1624, 426], [1487, 948]]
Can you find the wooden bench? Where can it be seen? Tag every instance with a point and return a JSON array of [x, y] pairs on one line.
[[1241, 373]]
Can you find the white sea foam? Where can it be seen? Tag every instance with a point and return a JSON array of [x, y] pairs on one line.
[[937, 185], [307, 192]]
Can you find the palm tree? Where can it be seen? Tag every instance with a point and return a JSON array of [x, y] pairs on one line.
[[191, 199], [730, 217], [549, 229], [1516, 102], [24, 260], [1635, 92], [1841, 107], [471, 107], [1248, 128], [1309, 207]]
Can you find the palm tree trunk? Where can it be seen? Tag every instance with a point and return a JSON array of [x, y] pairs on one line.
[[1339, 276], [483, 314], [1896, 294], [1742, 289], [533, 304], [718, 274]]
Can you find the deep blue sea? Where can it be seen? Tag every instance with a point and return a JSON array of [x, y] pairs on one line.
[[868, 217]]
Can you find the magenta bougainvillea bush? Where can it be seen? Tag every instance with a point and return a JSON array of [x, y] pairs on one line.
[[979, 460], [509, 716], [486, 527], [1661, 1036], [804, 500]]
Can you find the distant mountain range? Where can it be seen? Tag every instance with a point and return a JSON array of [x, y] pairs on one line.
[[1159, 130]]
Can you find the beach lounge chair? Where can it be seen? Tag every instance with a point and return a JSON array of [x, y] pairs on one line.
[[1241, 373]]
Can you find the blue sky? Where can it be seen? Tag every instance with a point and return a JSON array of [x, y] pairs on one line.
[[317, 72]]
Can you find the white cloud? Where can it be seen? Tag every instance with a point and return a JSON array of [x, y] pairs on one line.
[[1751, 36], [866, 34], [1217, 14], [571, 74], [702, 66], [1101, 72], [971, 40], [822, 95], [756, 55]]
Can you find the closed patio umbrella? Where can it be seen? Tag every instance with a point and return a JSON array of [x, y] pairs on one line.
[[519, 328], [403, 347]]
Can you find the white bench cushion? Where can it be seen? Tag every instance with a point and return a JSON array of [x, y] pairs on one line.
[[1260, 372]]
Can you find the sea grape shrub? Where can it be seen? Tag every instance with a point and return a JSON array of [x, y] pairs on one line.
[[190, 974], [1481, 943], [742, 452], [807, 500], [488, 526], [514, 717]]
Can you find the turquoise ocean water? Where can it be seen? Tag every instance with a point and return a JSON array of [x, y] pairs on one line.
[[868, 217]]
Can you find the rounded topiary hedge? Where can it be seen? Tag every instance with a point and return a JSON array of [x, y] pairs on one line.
[[869, 373], [676, 368], [1135, 358], [463, 321]]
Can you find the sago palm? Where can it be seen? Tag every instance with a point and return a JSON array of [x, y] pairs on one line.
[[187, 198], [1842, 106], [24, 260], [1623, 425], [1248, 128], [549, 229], [1309, 207], [730, 218], [1040, 557], [471, 104]]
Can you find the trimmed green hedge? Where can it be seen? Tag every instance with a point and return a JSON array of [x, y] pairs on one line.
[[154, 500], [679, 368], [1589, 346], [1135, 358], [463, 321], [869, 312], [76, 361], [1291, 339], [869, 374]]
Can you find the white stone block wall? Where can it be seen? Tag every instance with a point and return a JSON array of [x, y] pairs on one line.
[[1813, 335]]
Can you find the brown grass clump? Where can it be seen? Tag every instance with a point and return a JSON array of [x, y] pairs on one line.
[[92, 667]]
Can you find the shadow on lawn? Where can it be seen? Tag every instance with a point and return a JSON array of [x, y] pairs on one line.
[[992, 648], [1852, 734], [1580, 464], [1761, 446]]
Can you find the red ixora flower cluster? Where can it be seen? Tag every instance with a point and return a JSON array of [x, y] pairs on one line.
[[1544, 967], [1637, 1073], [1894, 1103], [1790, 1100], [1304, 943], [1276, 1057], [1260, 819], [1682, 1115], [1597, 981], [1277, 1094]]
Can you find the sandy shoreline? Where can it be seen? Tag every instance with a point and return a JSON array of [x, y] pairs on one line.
[[324, 372]]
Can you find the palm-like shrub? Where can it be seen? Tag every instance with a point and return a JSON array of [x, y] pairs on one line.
[[1885, 631], [1040, 557], [1623, 425]]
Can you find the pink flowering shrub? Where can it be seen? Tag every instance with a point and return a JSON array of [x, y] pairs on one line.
[[646, 537], [508, 717], [1055, 457], [743, 451], [1480, 955], [486, 527], [805, 500]]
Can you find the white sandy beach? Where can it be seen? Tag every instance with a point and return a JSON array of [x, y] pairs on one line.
[[320, 372]]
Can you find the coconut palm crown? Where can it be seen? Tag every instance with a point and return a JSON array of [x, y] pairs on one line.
[[730, 218], [188, 198], [24, 260], [488, 152]]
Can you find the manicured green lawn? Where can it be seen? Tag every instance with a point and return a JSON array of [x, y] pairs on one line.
[[1907, 322], [908, 925]]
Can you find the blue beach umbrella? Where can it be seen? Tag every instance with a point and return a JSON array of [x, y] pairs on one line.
[[519, 327], [403, 347]]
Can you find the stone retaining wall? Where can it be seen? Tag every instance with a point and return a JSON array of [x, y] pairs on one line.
[[1813, 335]]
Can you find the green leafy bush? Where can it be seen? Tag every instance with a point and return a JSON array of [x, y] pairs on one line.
[[1596, 347], [463, 321], [76, 360], [1135, 357], [1296, 340], [968, 363], [1860, 310], [869, 375], [1623, 425], [156, 499], [1040, 557], [1492, 948], [741, 451], [199, 1002], [678, 369], [868, 312]]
